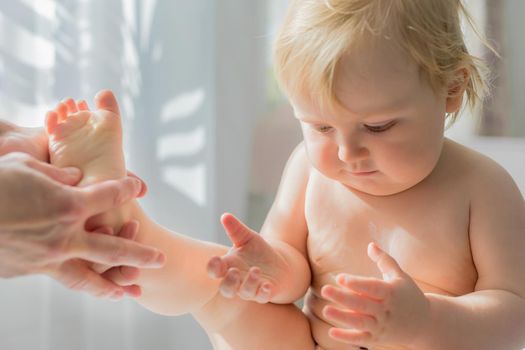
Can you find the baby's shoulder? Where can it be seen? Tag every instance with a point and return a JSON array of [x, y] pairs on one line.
[[298, 162], [478, 173]]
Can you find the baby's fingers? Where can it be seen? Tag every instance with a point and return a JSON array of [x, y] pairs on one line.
[[254, 288], [264, 293], [231, 283], [372, 287], [358, 339], [352, 301], [217, 267], [349, 319]]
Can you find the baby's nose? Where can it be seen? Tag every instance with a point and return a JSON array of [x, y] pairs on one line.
[[351, 152]]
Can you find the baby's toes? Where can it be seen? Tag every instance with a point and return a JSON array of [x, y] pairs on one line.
[[61, 110], [105, 100], [82, 105], [231, 282], [251, 282], [71, 105], [76, 121], [51, 122], [71, 124]]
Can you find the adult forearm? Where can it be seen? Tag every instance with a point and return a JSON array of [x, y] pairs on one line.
[[484, 320]]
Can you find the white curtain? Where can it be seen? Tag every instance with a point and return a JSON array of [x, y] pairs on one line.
[[189, 77]]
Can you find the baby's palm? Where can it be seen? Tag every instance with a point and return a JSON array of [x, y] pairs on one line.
[[251, 269]]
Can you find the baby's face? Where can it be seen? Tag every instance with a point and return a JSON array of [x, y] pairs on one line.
[[388, 134]]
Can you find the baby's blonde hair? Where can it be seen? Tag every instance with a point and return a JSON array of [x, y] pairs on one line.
[[316, 34]]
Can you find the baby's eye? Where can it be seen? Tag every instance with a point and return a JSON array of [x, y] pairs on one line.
[[380, 128], [323, 128]]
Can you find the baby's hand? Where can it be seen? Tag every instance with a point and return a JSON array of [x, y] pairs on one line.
[[370, 311], [251, 269]]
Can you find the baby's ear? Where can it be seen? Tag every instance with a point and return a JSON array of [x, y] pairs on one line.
[[456, 90]]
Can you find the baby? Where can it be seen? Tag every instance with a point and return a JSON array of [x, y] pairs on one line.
[[401, 238]]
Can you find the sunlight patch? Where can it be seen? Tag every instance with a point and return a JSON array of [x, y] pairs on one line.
[[183, 105], [190, 181]]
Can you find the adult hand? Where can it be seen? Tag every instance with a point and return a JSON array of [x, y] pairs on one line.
[[14, 138], [42, 225]]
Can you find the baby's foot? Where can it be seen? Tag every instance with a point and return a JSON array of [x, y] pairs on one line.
[[88, 140]]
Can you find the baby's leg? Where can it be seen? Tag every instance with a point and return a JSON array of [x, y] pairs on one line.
[[92, 141], [239, 324], [183, 286]]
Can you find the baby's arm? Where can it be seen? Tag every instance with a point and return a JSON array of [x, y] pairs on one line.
[[272, 266], [189, 287], [492, 317]]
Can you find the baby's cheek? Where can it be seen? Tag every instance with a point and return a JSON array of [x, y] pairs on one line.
[[318, 151]]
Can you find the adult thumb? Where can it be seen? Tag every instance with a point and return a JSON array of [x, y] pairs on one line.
[[239, 233], [67, 176]]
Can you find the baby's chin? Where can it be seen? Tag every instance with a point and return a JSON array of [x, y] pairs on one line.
[[380, 186]]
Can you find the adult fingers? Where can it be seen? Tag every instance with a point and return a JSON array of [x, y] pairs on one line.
[[76, 275], [129, 230], [107, 195], [122, 275], [67, 176], [115, 251], [133, 291], [144, 189]]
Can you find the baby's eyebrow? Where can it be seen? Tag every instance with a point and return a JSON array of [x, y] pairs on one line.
[[391, 106]]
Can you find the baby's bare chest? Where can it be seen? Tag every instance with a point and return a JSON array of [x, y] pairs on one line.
[[425, 231]]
